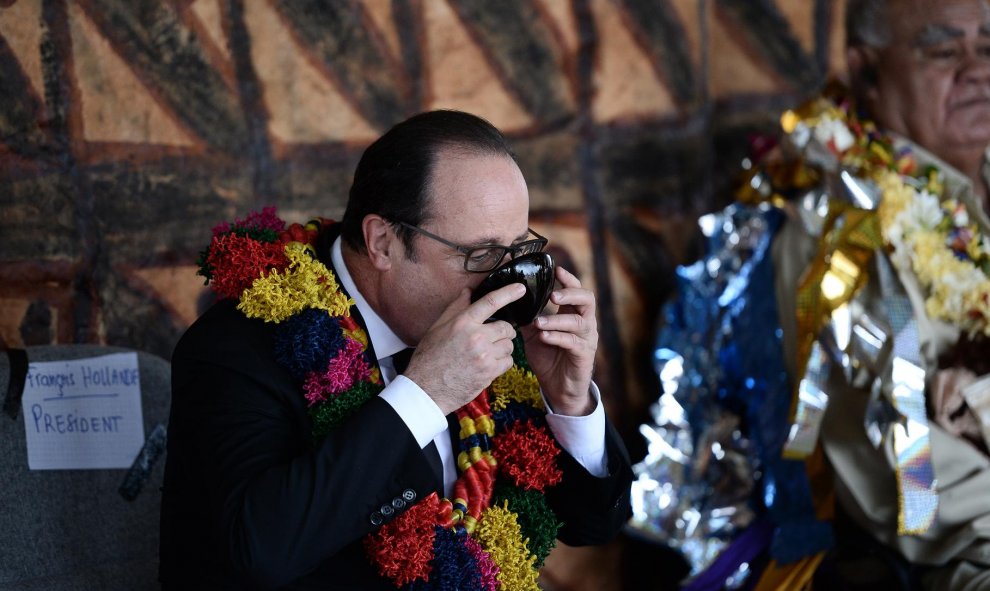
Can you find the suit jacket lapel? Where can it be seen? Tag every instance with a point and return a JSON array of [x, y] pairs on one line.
[[324, 244]]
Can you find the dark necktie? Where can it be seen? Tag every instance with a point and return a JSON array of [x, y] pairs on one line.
[[401, 359]]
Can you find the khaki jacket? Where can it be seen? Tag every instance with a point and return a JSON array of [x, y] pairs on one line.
[[959, 540]]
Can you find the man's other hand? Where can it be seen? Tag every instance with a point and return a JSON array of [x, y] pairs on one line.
[[561, 347]]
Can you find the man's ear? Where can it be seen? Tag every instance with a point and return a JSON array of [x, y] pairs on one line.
[[862, 64], [379, 240]]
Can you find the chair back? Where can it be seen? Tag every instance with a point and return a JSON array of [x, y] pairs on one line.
[[74, 529]]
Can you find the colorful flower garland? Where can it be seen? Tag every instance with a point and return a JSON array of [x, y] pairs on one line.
[[497, 530], [933, 238], [947, 253]]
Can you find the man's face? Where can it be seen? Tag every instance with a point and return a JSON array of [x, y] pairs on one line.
[[474, 200], [933, 79]]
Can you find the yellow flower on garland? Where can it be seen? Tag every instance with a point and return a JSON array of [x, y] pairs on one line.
[[357, 335], [500, 535], [956, 290], [516, 385], [896, 197], [466, 458], [305, 283], [974, 248]]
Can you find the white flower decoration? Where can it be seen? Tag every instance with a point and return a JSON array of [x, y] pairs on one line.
[[894, 233], [960, 217], [923, 213], [836, 131], [961, 283]]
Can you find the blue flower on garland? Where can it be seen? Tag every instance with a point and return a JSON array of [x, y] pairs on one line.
[[514, 412], [304, 342], [453, 567]]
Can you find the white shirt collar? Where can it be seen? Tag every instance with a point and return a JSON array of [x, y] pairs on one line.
[[386, 343]]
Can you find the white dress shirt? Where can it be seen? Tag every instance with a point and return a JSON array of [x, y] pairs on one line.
[[583, 437]]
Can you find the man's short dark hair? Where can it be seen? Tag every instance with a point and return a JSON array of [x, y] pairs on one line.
[[393, 176]]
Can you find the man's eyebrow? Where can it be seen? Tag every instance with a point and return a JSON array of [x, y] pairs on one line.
[[935, 34], [493, 240], [484, 241]]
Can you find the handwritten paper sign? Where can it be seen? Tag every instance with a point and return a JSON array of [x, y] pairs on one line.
[[83, 413]]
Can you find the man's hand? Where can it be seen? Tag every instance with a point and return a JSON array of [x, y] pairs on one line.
[[461, 354], [561, 347]]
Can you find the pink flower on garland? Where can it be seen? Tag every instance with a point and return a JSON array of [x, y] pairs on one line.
[[402, 549], [266, 219], [348, 367], [527, 456], [487, 569], [236, 261]]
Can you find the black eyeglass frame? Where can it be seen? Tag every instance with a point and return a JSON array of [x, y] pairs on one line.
[[524, 247]]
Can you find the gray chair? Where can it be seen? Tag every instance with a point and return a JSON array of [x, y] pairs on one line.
[[74, 529]]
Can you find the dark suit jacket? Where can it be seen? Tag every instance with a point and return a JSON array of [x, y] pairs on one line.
[[249, 501]]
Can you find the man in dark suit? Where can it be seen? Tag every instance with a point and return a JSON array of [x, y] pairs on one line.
[[253, 500]]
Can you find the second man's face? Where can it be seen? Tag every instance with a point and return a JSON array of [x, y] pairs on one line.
[[933, 80]]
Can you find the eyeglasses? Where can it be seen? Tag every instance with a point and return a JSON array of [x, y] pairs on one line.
[[485, 257]]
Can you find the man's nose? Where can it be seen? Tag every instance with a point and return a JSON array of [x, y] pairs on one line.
[[975, 66]]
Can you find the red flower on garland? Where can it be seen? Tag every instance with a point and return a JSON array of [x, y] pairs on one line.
[[236, 261], [298, 233], [402, 549], [527, 455], [348, 323]]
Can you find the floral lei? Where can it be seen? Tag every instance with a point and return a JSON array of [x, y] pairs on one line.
[[934, 238], [498, 529]]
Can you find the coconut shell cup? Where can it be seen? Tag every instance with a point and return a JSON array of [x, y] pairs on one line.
[[536, 272]]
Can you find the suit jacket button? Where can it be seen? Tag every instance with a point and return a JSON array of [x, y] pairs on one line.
[[376, 518], [387, 510], [409, 495], [398, 503]]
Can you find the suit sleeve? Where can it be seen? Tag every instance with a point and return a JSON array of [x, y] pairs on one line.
[[593, 509]]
